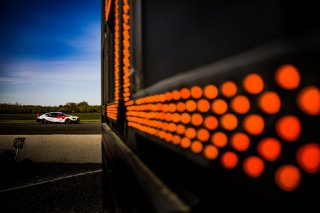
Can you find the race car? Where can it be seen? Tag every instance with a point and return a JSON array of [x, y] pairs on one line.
[[57, 117]]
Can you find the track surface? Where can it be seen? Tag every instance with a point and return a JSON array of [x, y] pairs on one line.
[[40, 129]]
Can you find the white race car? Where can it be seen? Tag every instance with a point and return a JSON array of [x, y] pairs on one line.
[[57, 117]]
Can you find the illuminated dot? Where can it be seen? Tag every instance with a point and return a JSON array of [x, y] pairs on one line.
[[185, 118], [185, 93], [196, 147], [309, 100], [210, 91], [308, 157], [191, 105], [269, 102], [190, 133], [219, 106], [211, 152], [288, 128], [168, 116], [229, 160], [253, 166], [185, 143], [203, 135], [176, 139], [288, 177], [162, 134], [229, 121], [240, 141], [253, 83], [253, 124], [181, 129], [229, 89], [168, 137], [176, 95], [269, 149], [172, 127], [196, 119], [176, 117], [219, 139], [211, 122], [172, 107], [181, 107], [196, 92], [203, 105], [240, 104], [168, 96], [287, 77]]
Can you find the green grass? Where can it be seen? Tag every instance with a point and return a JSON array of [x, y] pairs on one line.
[[32, 117]]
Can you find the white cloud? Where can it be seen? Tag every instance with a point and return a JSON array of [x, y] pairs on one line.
[[89, 40], [50, 82]]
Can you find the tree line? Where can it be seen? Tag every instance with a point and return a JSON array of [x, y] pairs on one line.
[[70, 107]]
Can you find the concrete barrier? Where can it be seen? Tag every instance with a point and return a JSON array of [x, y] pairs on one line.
[[57, 148]]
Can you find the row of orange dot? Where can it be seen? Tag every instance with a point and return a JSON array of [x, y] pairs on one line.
[[126, 51], [113, 115], [287, 127], [107, 9]]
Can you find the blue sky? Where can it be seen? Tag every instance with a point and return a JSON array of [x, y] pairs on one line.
[[50, 51]]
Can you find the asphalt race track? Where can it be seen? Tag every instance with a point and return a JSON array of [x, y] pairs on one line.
[[36, 128]]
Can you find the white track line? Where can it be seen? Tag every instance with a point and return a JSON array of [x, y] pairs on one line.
[[53, 180]]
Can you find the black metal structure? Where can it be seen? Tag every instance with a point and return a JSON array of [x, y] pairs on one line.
[[209, 101]]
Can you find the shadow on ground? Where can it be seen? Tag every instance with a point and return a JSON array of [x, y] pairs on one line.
[[27, 186]]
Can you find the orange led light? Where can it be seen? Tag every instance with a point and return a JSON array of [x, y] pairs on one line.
[[196, 92], [196, 119], [240, 104], [211, 122], [168, 137], [176, 117], [176, 95], [168, 96], [219, 139], [253, 83], [269, 149], [176, 139], [240, 141], [211, 152], [309, 100], [172, 127], [229, 121], [196, 147], [288, 128], [190, 133], [185, 93], [229, 160], [181, 129], [210, 91], [229, 89], [203, 105], [185, 118], [191, 105], [287, 77], [269, 102], [253, 124], [308, 157], [181, 107], [288, 177], [185, 143], [253, 166], [203, 135], [219, 106], [172, 107], [162, 134]]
